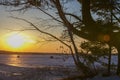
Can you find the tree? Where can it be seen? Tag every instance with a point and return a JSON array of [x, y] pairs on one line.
[[93, 51], [102, 28]]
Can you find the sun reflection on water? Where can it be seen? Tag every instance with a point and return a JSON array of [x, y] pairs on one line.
[[14, 60]]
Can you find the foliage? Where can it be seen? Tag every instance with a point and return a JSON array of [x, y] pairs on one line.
[[97, 19], [95, 48], [93, 51]]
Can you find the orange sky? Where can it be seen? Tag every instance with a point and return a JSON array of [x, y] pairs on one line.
[[9, 25], [12, 42]]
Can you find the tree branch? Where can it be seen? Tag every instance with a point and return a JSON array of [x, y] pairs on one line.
[[116, 17], [41, 30], [75, 16], [87, 18], [48, 35], [49, 15], [117, 9]]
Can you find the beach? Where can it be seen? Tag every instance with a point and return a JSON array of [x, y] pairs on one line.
[[8, 72], [34, 67], [44, 67]]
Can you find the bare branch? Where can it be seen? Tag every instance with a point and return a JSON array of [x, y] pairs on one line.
[[41, 30], [116, 17], [49, 15], [75, 16], [48, 35], [117, 9]]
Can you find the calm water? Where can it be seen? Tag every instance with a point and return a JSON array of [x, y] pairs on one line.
[[36, 60]]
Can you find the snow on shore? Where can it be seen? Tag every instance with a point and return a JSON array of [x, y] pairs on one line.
[[48, 72]]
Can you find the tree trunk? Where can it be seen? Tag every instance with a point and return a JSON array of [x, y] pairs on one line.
[[68, 25], [90, 25], [86, 70], [86, 15], [74, 45], [118, 65], [115, 41], [109, 60]]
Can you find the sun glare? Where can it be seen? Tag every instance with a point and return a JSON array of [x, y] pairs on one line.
[[17, 41]]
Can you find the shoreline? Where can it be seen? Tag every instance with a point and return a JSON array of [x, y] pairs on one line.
[[33, 53], [8, 72]]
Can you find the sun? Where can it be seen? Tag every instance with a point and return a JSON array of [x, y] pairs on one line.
[[16, 40]]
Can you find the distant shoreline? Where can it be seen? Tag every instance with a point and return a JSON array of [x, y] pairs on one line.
[[32, 53]]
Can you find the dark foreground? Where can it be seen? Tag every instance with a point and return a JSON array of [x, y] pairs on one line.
[[46, 73]]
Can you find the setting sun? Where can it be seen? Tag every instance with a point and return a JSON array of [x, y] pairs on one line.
[[15, 40]]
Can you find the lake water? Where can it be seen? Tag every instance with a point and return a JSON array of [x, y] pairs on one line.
[[42, 60], [36, 60]]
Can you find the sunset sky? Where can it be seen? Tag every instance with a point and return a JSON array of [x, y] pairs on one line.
[[13, 38]]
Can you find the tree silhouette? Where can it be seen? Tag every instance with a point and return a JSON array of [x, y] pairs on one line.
[[95, 50], [104, 27]]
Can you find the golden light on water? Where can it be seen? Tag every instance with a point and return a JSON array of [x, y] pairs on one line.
[[14, 60]]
